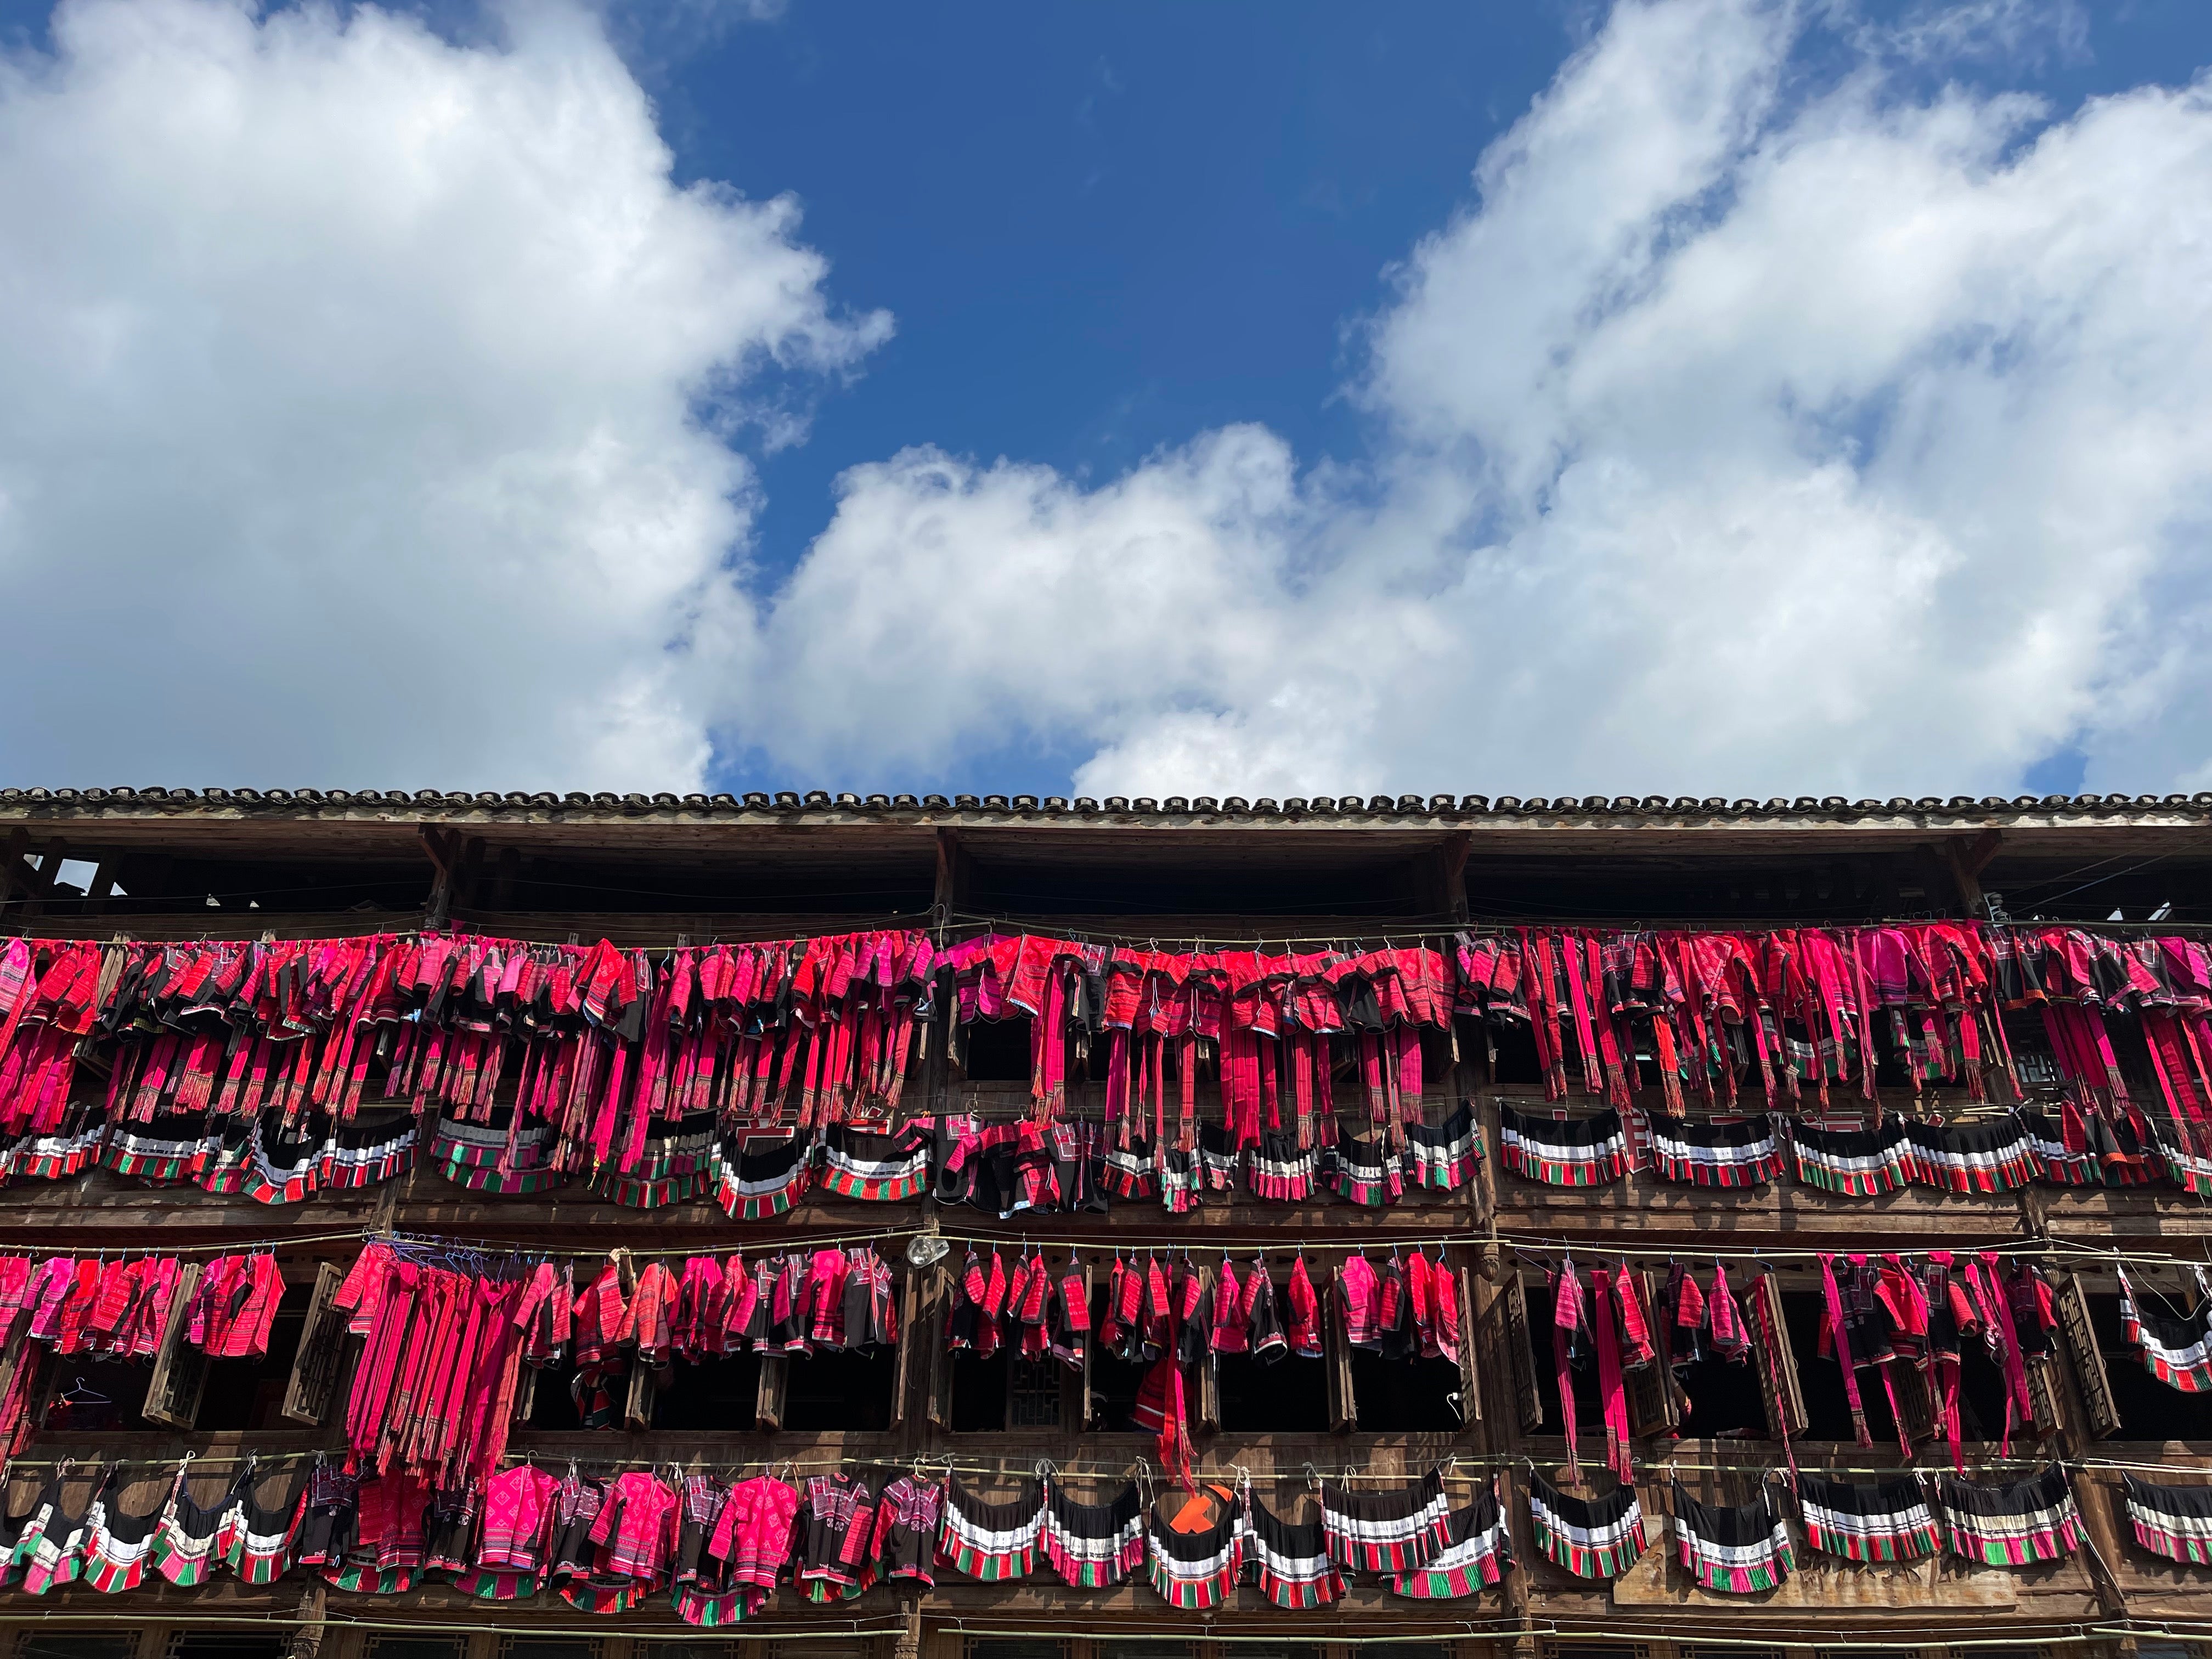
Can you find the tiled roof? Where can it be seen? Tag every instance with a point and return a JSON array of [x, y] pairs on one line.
[[1833, 808]]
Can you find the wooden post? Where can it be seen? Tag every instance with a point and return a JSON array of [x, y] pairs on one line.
[[1968, 858], [103, 879], [1440, 878], [438, 847]]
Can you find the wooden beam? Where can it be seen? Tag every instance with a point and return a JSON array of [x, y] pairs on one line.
[[29, 888]]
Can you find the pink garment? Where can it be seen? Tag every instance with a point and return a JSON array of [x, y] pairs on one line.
[[753, 1534], [518, 1518], [636, 1527]]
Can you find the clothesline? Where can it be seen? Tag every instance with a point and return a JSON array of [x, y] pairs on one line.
[[1529, 1246], [1463, 1468]]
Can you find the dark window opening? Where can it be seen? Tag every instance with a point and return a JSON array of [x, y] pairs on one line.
[[1002, 1391], [998, 1051], [416, 1647], [1401, 1396], [1827, 1407], [1001, 1647], [1114, 1381], [2148, 1409], [227, 1644], [548, 1647], [979, 1392], [90, 1396], [552, 1399], [1034, 1403], [715, 1394], [53, 1644], [1582, 1380], [1288, 1397], [249, 1393], [1820, 1380], [1724, 1399], [1517, 1053], [839, 1390]]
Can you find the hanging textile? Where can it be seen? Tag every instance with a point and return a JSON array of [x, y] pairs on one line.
[[1292, 1561], [1738, 1549], [1888, 1520], [2177, 1352], [1993, 1156], [876, 1168], [1363, 1170], [673, 1165], [258, 1547], [2010, 1525], [995, 1542], [1443, 1159], [1477, 1550], [758, 1177], [1196, 1567], [1278, 1171], [1584, 1152], [1093, 1546], [1852, 1162], [1385, 1531], [2060, 1150], [498, 1157], [1590, 1538], [2174, 1522], [1740, 1151], [119, 1545]]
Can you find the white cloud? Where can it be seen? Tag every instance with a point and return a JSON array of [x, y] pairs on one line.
[[351, 384], [365, 396], [1739, 439]]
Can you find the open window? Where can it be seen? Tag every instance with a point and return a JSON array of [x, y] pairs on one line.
[[1002, 1391], [1288, 1397], [2143, 1407]]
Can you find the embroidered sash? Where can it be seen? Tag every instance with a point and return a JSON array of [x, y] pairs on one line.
[[1295, 1571], [1740, 1151], [1385, 1531], [1591, 1538], [993, 1542], [1478, 1549], [1093, 1546], [2010, 1525], [1584, 1152], [2177, 1352], [1888, 1520], [2174, 1522], [1740, 1549], [1852, 1162], [1443, 1159]]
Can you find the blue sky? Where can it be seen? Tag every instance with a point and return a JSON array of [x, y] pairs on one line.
[[1809, 399], [1102, 230]]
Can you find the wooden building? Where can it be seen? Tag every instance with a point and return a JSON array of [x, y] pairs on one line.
[[654, 871]]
